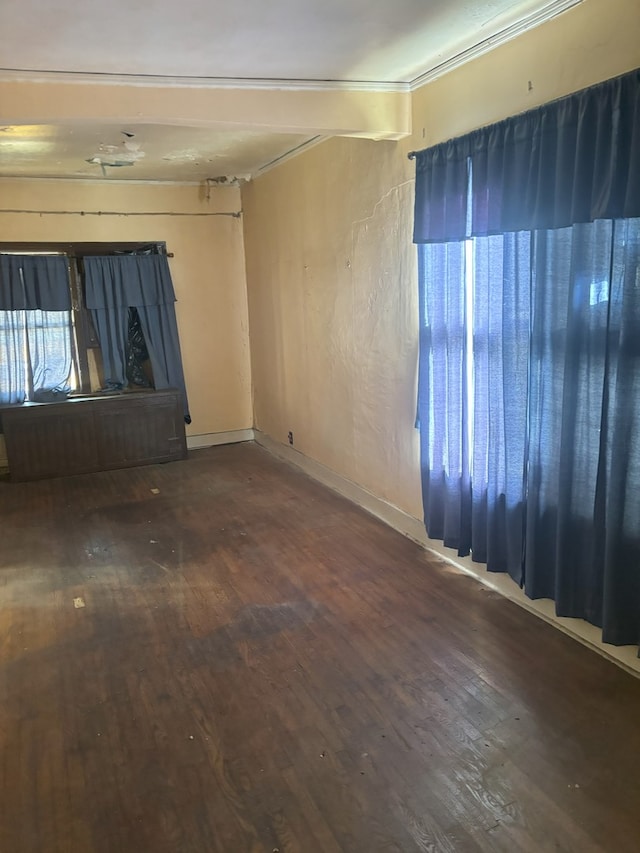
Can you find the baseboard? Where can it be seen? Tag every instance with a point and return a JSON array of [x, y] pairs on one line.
[[413, 528], [390, 514], [210, 439]]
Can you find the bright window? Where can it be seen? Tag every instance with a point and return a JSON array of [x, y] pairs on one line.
[[36, 355]]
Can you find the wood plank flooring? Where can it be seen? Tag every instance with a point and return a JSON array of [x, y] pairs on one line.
[[260, 666]]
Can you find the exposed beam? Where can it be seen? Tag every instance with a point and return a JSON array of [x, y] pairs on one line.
[[330, 112]]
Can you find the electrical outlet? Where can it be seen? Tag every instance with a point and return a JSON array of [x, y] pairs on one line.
[[290, 437]]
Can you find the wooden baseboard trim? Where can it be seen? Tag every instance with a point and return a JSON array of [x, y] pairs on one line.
[[413, 528]]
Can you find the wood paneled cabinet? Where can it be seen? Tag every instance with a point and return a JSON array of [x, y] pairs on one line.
[[85, 434]]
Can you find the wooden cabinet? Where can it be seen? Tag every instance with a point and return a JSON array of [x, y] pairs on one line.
[[99, 433]]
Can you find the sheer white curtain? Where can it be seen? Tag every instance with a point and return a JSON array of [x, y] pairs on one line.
[[36, 354], [36, 327], [13, 350]]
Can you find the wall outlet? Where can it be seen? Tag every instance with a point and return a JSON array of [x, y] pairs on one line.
[[290, 437]]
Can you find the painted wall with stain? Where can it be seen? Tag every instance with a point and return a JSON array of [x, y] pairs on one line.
[[207, 270], [330, 266]]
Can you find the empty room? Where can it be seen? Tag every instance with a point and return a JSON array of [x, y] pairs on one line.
[[320, 426]]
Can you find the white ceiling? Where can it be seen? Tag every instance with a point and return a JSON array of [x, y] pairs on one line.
[[381, 40], [279, 43]]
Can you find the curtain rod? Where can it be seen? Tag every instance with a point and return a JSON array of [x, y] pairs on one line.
[[77, 255], [602, 86]]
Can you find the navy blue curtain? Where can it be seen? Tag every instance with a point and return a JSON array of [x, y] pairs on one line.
[[472, 395], [34, 283], [573, 160], [529, 401], [115, 283], [501, 317], [443, 395], [583, 495]]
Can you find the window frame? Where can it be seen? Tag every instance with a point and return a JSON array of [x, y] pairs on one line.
[[83, 335]]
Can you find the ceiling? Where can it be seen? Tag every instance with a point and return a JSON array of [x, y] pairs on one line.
[[147, 152], [292, 48]]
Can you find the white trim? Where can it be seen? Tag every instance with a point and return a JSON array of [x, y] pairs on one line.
[[529, 23], [390, 514], [210, 439], [413, 528], [144, 81], [552, 10]]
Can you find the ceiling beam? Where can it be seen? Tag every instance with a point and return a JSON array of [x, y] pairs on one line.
[[316, 111]]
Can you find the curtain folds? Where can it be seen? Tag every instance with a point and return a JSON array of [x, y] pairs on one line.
[[443, 396], [573, 160], [620, 469], [112, 329], [529, 381], [35, 327], [583, 504], [501, 315], [115, 281], [113, 284], [36, 355], [473, 428], [34, 282], [13, 368]]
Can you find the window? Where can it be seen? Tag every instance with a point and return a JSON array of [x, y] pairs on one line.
[[37, 338], [36, 355], [86, 317], [529, 388]]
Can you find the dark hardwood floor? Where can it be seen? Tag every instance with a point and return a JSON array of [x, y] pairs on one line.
[[260, 666]]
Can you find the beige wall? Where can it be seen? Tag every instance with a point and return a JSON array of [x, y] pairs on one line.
[[330, 266], [332, 307], [207, 270]]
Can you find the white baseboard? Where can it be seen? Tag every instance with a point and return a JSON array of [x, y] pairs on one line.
[[390, 514], [210, 439], [413, 528]]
